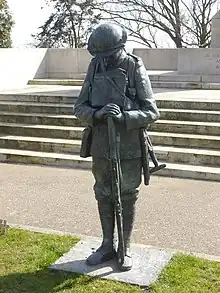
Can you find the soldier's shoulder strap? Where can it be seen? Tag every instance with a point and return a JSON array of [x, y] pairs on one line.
[[92, 69], [134, 57], [90, 75], [133, 60]]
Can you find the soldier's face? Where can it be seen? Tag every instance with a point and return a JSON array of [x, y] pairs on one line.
[[112, 59]]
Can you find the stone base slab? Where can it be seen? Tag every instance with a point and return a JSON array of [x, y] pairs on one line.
[[148, 262]]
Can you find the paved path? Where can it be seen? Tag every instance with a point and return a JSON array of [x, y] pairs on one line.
[[171, 213]]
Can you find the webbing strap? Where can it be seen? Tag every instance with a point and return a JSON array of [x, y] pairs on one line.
[[131, 78]]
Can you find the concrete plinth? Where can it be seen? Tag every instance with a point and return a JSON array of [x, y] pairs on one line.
[[147, 263]]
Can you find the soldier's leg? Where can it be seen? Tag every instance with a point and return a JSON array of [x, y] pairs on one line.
[[131, 172], [102, 191]]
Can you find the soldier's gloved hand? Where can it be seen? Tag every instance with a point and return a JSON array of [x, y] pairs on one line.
[[109, 109], [119, 118]]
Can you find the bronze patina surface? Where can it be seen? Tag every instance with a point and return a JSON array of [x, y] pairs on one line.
[[116, 86]]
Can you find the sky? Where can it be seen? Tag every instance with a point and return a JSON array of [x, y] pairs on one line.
[[28, 16]]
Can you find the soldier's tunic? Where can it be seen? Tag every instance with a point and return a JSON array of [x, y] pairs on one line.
[[112, 86]]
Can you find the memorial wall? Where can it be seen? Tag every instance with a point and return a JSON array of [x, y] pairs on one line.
[[17, 66]]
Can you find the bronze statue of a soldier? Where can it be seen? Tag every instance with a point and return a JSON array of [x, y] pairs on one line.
[[117, 86]]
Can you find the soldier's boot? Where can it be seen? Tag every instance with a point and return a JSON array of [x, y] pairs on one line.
[[107, 249], [128, 221]]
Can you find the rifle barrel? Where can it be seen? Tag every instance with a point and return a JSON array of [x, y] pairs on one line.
[[116, 177]]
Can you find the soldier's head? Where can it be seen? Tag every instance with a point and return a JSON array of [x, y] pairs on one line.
[[108, 41]]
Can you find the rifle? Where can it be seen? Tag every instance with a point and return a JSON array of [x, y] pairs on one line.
[[147, 147], [116, 179]]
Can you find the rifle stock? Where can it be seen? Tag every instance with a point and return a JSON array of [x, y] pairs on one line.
[[153, 157], [116, 177], [147, 147]]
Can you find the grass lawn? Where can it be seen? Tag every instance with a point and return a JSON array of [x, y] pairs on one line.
[[25, 256]]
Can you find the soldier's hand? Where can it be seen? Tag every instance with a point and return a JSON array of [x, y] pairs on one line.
[[109, 109], [119, 118]]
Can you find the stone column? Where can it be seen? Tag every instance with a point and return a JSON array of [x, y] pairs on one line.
[[215, 34]]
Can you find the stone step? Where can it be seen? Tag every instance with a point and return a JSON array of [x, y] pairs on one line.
[[190, 115], [66, 108], [192, 127], [154, 75], [42, 144], [174, 76], [40, 98], [50, 159], [190, 156], [71, 120], [42, 94], [68, 132], [57, 131], [157, 81], [185, 140], [53, 131], [74, 161], [186, 85], [37, 118], [197, 103], [57, 81], [30, 107], [169, 154]]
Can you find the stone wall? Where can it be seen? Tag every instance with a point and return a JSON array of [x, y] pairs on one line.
[[71, 63], [199, 61], [158, 59], [17, 66], [67, 63]]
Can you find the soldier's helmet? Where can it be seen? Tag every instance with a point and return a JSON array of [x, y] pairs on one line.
[[107, 39]]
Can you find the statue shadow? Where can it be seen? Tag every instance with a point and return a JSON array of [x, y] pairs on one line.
[[63, 276], [80, 267], [43, 281]]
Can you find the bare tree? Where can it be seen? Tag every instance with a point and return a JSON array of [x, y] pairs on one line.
[[162, 15], [139, 32], [198, 26], [185, 22]]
